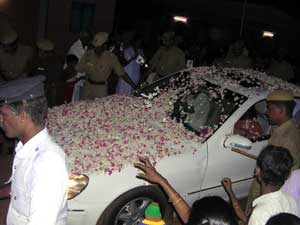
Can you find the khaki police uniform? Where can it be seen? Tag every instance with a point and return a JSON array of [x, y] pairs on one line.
[[237, 56], [281, 69], [45, 45], [98, 68], [168, 60], [14, 64], [242, 61], [286, 135], [49, 64]]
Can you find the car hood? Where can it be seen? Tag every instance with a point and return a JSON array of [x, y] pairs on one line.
[[108, 133]]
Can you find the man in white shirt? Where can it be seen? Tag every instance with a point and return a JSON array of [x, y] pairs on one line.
[[79, 48], [273, 167], [38, 185]]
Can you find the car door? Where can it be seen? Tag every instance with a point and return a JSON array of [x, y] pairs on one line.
[[224, 162], [185, 172]]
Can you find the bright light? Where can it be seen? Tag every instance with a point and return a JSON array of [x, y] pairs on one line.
[[180, 19], [268, 34], [76, 184]]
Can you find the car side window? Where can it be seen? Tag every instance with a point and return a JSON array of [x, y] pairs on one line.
[[254, 124]]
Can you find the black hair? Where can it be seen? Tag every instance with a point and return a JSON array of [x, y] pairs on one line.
[[275, 164], [36, 108], [288, 105], [284, 219], [72, 59], [212, 210]]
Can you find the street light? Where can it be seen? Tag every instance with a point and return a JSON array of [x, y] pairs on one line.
[[268, 34], [182, 19]]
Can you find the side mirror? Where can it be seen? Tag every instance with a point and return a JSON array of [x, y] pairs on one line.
[[238, 142]]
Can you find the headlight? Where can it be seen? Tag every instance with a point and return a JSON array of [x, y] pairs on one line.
[[77, 183]]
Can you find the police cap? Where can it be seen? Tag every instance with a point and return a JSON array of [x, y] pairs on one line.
[[21, 89], [45, 45], [8, 37], [281, 95]]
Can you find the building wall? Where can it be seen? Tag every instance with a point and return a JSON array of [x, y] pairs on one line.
[[31, 21], [59, 16], [23, 16]]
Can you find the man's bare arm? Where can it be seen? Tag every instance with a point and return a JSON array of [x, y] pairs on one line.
[[5, 191]]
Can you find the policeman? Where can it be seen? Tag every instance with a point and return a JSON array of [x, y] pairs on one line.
[[48, 63], [98, 64], [15, 58], [44, 49], [280, 67], [38, 185], [167, 59], [237, 56], [280, 105]]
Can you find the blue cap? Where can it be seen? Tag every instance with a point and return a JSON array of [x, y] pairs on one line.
[[21, 89]]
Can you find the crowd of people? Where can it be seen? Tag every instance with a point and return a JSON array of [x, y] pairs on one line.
[[85, 73], [240, 54], [100, 64]]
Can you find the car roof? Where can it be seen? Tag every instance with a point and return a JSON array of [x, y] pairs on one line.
[[248, 82]]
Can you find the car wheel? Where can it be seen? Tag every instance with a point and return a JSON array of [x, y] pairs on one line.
[[128, 209]]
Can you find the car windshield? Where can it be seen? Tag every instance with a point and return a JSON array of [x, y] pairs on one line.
[[200, 105], [206, 108]]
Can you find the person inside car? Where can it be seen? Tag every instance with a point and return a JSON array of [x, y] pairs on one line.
[[262, 118], [248, 126]]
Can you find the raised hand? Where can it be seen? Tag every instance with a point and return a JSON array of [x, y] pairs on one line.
[[150, 174], [227, 184]]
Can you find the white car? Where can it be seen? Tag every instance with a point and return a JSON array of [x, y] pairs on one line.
[[185, 123]]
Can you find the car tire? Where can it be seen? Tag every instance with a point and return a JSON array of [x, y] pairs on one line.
[[129, 207]]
